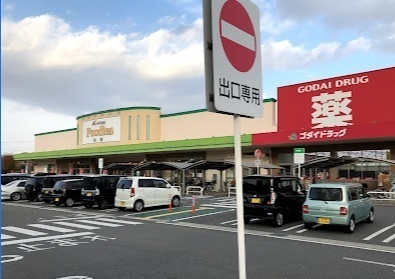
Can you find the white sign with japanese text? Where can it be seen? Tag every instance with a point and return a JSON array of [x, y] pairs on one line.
[[236, 58], [101, 130]]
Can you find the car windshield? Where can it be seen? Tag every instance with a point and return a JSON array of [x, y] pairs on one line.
[[59, 185], [256, 186], [124, 184], [325, 194]]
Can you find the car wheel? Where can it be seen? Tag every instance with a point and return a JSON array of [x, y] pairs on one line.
[[371, 216], [138, 206], [69, 202], [308, 226], [31, 198], [278, 219], [88, 205], [247, 220], [15, 196], [39, 197], [175, 202], [103, 204], [351, 226]]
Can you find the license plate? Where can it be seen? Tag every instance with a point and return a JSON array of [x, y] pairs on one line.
[[56, 199], [121, 203], [89, 194], [325, 221], [255, 200]]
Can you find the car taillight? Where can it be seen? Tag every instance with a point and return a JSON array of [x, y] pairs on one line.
[[272, 198], [305, 209], [343, 210], [132, 192]]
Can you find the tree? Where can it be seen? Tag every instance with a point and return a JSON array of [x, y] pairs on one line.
[[7, 163]]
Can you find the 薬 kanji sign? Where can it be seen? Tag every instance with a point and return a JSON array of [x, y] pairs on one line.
[[233, 68]]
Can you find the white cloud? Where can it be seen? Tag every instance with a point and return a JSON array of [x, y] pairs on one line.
[[30, 120], [372, 19], [285, 55], [46, 63]]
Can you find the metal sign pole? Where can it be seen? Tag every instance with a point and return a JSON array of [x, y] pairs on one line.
[[239, 198]]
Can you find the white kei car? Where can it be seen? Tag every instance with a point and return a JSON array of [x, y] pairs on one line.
[[138, 192]]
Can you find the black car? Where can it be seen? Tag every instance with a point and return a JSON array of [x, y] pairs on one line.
[[100, 190], [49, 183], [67, 192], [274, 197]]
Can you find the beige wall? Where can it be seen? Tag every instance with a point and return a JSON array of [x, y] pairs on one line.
[[207, 124], [56, 141], [188, 125], [129, 135]]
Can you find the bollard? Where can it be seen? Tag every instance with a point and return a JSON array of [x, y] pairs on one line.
[[193, 204], [170, 203]]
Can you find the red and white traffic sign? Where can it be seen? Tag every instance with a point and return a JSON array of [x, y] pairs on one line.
[[233, 68], [237, 36]]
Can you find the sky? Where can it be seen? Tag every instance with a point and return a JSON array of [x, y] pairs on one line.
[[66, 58]]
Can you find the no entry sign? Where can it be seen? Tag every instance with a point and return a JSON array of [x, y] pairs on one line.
[[233, 65], [237, 35]]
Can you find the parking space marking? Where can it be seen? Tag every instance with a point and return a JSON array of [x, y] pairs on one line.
[[378, 232], [227, 222], [5, 236], [51, 228], [291, 228], [23, 231], [44, 238], [119, 221], [371, 262], [392, 237], [74, 218], [99, 223], [201, 215], [80, 226], [174, 213], [321, 241]]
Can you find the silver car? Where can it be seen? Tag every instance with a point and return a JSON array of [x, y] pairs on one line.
[[14, 190], [343, 204]]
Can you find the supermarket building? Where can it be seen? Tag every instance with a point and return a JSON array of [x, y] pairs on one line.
[[334, 116]]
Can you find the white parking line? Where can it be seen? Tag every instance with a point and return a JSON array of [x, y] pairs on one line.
[[231, 221], [80, 226], [392, 237], [23, 231], [371, 262], [11, 242], [74, 218], [99, 223], [6, 236], [51, 228], [196, 216], [291, 228], [219, 205], [378, 232], [119, 221]]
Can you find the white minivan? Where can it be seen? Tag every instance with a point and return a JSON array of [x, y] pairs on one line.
[[138, 192]]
